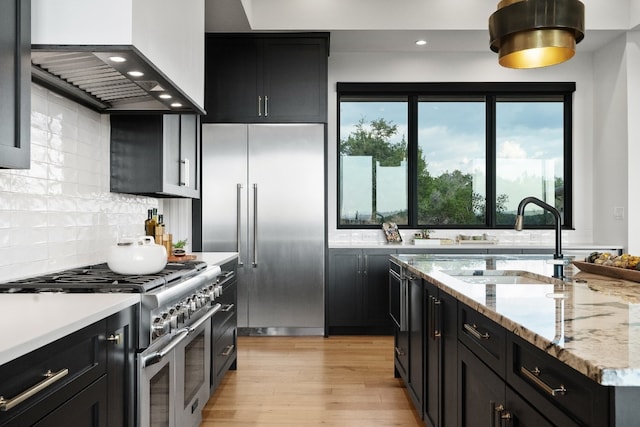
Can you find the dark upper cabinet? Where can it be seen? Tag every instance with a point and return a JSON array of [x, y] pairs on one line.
[[270, 79], [156, 155], [15, 84]]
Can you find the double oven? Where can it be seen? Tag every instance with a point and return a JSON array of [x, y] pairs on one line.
[[174, 342]]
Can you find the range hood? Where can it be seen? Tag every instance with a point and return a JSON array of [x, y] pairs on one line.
[[108, 79], [121, 55]]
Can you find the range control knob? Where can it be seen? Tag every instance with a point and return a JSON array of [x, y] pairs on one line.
[[160, 326]]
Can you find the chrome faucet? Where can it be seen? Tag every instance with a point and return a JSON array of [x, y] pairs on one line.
[[558, 270]]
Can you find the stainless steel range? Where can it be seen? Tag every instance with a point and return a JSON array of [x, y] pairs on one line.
[[174, 331]]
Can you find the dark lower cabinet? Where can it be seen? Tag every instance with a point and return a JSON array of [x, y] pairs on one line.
[[358, 292], [224, 329], [415, 384], [441, 346], [87, 408], [121, 367], [85, 379], [484, 400]]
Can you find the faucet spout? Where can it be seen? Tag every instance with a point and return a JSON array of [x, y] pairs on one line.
[[557, 268]]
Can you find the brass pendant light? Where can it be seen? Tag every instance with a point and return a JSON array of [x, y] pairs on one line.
[[536, 33]]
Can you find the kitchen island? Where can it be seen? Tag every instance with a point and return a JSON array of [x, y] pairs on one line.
[[586, 328]]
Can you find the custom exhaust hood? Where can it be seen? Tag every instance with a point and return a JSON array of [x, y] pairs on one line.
[[107, 79], [122, 55]]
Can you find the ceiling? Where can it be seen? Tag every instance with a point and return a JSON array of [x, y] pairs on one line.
[[395, 25]]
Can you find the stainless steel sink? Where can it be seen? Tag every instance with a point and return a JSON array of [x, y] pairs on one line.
[[499, 277]]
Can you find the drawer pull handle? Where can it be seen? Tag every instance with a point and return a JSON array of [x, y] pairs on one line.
[[114, 338], [473, 330], [534, 376], [399, 352], [227, 307], [228, 350], [6, 404]]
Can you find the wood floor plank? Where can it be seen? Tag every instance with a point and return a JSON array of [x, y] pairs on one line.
[[309, 381]]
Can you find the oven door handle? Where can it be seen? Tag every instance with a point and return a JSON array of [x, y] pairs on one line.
[[156, 356], [214, 309]]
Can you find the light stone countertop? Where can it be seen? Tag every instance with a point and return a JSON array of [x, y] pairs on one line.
[[35, 320], [215, 258], [591, 323]]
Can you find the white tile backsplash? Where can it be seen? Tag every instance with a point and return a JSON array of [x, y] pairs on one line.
[[60, 213]]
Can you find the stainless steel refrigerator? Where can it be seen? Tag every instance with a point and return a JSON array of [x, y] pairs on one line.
[[263, 196]]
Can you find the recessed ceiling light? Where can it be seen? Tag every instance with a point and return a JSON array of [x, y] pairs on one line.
[[135, 73], [176, 105], [165, 96], [421, 42], [117, 59]]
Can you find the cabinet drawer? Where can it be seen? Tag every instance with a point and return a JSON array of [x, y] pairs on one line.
[[483, 336], [224, 352], [221, 318], [70, 363], [549, 383]]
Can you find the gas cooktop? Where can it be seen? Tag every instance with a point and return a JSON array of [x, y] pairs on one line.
[[99, 278]]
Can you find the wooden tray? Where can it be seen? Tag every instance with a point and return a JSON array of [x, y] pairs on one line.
[[604, 270], [173, 258]]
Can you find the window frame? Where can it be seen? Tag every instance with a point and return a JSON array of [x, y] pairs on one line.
[[492, 92]]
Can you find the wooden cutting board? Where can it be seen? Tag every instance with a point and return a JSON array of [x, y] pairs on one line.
[[187, 257]]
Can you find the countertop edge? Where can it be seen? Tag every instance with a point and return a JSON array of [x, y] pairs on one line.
[[99, 310]]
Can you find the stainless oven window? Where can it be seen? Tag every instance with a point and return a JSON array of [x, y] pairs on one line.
[[159, 386], [194, 370]]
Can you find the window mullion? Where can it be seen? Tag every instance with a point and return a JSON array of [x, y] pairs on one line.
[[490, 202], [412, 161]]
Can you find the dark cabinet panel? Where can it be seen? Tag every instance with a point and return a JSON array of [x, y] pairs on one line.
[[224, 329], [121, 362], [441, 346], [480, 391], [269, 79], [231, 80], [156, 155], [88, 408], [15, 84], [358, 292], [416, 343]]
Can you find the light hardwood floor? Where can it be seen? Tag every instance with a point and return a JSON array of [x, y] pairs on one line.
[[309, 381]]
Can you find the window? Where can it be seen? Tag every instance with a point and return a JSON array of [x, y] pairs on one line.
[[458, 155], [373, 161]]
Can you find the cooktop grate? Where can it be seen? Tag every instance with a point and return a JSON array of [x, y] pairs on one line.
[[99, 278]]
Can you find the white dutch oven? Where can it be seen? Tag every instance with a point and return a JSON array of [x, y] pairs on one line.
[[137, 256]]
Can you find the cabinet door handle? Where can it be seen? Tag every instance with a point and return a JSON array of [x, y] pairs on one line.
[[50, 378], [228, 350], [399, 351], [184, 181], [534, 376], [366, 264], [227, 307], [473, 330], [493, 410], [266, 105], [259, 106], [114, 338], [437, 316]]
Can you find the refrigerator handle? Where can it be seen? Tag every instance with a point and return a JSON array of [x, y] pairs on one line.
[[239, 224], [254, 263]]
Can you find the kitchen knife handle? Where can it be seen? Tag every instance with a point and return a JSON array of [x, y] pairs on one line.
[[239, 224], [254, 263]]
